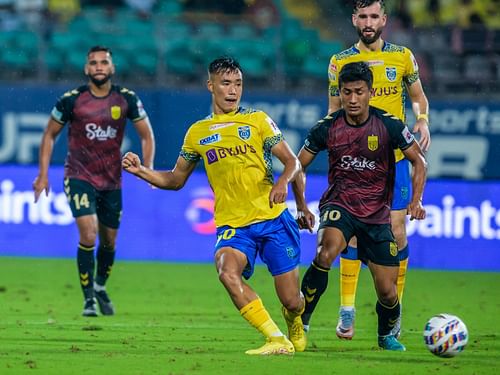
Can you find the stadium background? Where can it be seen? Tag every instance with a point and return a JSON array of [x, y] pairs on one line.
[[161, 49]]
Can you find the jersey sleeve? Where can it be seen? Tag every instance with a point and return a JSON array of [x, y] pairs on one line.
[[136, 110], [333, 77], [316, 139], [63, 109], [188, 151], [401, 136], [411, 68], [271, 134]]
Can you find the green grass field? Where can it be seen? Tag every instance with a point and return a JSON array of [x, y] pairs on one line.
[[178, 319]]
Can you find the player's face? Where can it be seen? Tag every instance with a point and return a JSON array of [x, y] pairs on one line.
[[226, 88], [355, 98], [369, 23], [99, 67]]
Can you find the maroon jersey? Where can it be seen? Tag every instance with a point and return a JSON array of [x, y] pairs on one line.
[[361, 162], [95, 133]]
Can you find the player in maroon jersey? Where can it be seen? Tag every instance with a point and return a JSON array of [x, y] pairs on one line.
[[96, 114], [360, 141]]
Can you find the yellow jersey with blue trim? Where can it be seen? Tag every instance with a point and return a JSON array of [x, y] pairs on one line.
[[236, 150], [394, 67]]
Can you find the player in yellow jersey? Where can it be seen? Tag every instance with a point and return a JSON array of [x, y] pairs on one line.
[[251, 217], [396, 76]]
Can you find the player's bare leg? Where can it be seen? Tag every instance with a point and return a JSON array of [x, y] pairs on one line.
[[230, 264], [292, 300]]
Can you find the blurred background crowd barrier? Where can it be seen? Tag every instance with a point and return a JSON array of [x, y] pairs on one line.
[[282, 44]]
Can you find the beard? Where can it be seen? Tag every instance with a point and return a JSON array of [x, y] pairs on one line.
[[100, 82], [369, 40]]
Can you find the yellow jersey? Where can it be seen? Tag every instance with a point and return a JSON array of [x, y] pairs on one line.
[[393, 67], [236, 151]]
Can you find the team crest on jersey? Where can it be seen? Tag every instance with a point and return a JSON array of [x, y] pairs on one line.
[[244, 132], [393, 249], [390, 73], [116, 112], [372, 142]]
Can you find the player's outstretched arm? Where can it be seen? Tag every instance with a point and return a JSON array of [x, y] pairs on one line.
[[415, 155], [41, 182], [168, 180], [305, 218]]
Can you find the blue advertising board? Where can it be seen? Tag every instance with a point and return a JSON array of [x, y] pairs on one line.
[[465, 134], [461, 231]]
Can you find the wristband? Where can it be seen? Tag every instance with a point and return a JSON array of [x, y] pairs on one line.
[[424, 116]]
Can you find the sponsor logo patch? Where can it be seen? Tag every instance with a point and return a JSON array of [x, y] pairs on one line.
[[375, 63], [273, 125], [101, 134], [220, 126], [407, 135], [210, 139], [358, 163], [211, 156]]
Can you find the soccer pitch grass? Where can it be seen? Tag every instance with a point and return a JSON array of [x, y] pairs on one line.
[[178, 319]]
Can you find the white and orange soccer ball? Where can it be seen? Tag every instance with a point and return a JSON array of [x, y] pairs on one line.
[[445, 335]]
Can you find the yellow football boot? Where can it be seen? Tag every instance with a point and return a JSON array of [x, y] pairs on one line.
[[274, 346], [296, 332]]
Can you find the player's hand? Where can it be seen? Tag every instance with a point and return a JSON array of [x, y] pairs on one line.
[[39, 185], [278, 194], [305, 219], [422, 127], [131, 163], [416, 210]]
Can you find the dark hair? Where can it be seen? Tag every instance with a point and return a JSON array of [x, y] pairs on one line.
[[224, 64], [356, 71], [99, 49], [357, 4]]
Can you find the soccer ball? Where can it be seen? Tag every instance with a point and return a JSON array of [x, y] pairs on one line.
[[445, 335]]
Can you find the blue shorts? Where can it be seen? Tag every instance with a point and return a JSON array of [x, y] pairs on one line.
[[402, 186], [276, 241]]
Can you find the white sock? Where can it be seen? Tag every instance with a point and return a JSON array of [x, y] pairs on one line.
[[99, 288]]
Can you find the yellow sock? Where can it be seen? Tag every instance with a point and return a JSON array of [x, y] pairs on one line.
[[349, 275], [256, 314], [403, 266]]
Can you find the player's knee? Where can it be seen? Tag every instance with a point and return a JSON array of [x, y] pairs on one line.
[[292, 303], [229, 279], [88, 236], [325, 258], [388, 296]]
